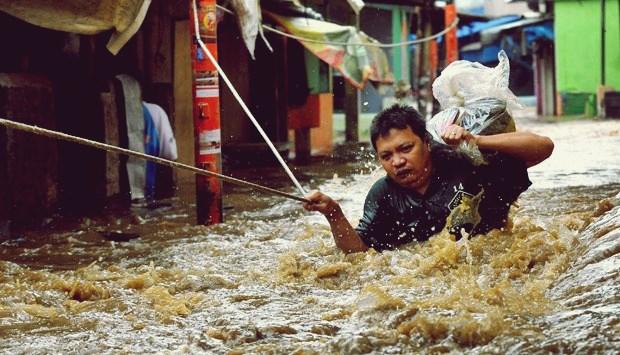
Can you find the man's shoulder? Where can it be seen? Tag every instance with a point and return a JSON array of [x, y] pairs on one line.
[[382, 184]]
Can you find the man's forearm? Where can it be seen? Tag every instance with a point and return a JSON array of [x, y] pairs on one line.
[[528, 147], [345, 236]]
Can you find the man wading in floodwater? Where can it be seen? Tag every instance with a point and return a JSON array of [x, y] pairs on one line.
[[426, 180]]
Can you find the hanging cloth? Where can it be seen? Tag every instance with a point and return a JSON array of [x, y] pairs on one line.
[[151, 147]]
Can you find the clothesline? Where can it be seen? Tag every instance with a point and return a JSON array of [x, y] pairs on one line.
[[370, 44]]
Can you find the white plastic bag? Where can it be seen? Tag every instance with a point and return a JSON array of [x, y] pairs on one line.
[[463, 81], [476, 98]]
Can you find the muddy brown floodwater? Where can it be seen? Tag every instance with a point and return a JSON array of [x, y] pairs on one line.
[[270, 280]]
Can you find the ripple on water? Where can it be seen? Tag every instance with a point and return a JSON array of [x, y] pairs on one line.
[[282, 292]]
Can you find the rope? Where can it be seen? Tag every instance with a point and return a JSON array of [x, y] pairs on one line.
[[240, 100], [370, 44], [115, 149]]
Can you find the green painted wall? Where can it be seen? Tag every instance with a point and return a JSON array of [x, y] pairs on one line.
[[318, 74], [401, 58], [396, 37], [578, 45]]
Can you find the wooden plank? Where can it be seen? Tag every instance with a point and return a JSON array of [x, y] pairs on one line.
[[182, 115], [177, 9], [31, 162], [4, 188], [351, 112], [111, 132], [158, 44], [234, 58], [302, 146]]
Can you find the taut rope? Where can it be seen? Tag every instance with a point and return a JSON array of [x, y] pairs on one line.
[[115, 149]]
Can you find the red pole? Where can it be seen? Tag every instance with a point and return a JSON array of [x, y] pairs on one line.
[[206, 104], [452, 47]]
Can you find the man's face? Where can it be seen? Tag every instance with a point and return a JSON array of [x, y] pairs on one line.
[[406, 158]]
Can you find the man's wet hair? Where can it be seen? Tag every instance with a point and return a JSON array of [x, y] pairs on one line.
[[399, 117]]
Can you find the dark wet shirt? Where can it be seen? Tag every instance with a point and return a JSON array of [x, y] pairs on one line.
[[394, 215]]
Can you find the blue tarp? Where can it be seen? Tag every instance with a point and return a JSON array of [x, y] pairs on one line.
[[490, 39], [544, 30], [476, 27], [486, 52]]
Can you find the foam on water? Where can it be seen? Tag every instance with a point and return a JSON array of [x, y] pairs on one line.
[[270, 280]]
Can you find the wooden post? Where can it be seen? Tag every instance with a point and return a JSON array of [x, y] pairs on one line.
[[4, 188], [29, 168], [351, 112], [183, 110], [302, 146], [158, 44], [429, 52], [111, 133], [206, 98], [352, 101]]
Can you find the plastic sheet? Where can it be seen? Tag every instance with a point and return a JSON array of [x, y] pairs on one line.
[[250, 22]]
